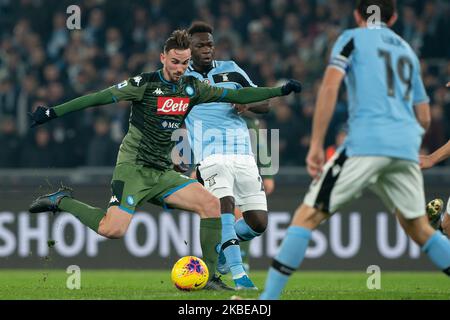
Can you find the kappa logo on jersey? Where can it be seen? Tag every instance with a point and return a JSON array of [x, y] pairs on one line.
[[225, 77], [158, 91], [114, 200], [170, 125], [172, 106]]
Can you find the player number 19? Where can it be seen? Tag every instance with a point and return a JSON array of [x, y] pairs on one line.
[[403, 64]]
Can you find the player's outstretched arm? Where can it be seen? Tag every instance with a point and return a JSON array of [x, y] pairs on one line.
[[251, 94], [428, 161], [129, 90], [44, 114]]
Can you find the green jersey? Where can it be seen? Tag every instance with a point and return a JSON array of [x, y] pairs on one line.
[[158, 108]]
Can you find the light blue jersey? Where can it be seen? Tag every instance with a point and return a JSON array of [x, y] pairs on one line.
[[216, 128], [383, 85]]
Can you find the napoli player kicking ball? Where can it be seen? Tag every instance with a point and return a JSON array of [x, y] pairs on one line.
[[144, 171], [388, 115]]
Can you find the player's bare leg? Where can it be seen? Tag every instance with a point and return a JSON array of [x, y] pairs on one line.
[[115, 223], [195, 198], [418, 229], [308, 217]]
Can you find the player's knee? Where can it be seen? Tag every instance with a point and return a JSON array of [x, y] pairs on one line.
[[257, 220], [260, 226]]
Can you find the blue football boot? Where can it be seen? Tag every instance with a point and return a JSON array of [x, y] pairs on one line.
[[244, 283]]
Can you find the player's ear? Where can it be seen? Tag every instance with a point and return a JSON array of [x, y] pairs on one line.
[[162, 57], [358, 19], [393, 19]]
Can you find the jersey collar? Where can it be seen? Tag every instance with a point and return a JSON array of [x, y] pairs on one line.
[[161, 77], [377, 25], [191, 67]]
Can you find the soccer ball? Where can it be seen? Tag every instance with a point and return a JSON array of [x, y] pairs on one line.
[[190, 273]]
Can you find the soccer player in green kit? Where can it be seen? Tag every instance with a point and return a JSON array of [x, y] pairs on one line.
[[144, 170]]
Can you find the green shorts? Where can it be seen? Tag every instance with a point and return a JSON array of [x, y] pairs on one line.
[[133, 185]]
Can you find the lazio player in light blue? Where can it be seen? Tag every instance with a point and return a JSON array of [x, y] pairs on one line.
[[388, 114], [226, 166]]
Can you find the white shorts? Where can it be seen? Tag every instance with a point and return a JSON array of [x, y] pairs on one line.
[[399, 184], [235, 176]]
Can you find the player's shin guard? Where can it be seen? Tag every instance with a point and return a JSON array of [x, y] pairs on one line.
[[438, 250], [88, 215], [243, 231], [230, 246], [288, 259]]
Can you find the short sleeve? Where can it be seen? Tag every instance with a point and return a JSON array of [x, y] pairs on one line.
[[341, 52], [130, 90]]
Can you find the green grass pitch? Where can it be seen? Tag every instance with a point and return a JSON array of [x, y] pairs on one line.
[[156, 285]]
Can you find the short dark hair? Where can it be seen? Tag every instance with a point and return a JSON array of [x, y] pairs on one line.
[[199, 27], [179, 40], [387, 8]]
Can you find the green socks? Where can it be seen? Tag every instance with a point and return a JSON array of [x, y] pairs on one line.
[[88, 215], [210, 236], [245, 251]]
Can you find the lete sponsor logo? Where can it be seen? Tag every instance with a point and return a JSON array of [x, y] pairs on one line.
[[172, 105]]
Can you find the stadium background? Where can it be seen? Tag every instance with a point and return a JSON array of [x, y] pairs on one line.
[[42, 62]]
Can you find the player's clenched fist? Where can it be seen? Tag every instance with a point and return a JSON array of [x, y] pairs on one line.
[[315, 161], [291, 86], [425, 161]]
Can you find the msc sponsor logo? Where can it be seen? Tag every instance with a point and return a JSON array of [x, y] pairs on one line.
[[172, 106], [170, 125]]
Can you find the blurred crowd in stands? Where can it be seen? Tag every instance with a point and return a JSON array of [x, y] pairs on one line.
[[42, 62]]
